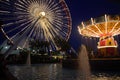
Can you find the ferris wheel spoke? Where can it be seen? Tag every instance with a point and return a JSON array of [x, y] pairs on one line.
[[25, 33], [12, 18], [19, 6], [6, 7], [45, 34], [63, 8], [55, 10], [18, 39], [51, 3], [20, 26], [35, 34], [6, 3], [52, 30], [59, 29], [22, 4], [20, 33], [38, 33], [24, 30], [41, 34], [63, 34], [21, 13], [30, 33], [55, 6], [56, 27], [26, 2], [59, 24], [48, 33], [61, 17], [4, 12], [55, 30], [14, 23], [51, 38]]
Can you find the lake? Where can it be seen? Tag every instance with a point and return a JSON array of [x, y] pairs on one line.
[[56, 72]]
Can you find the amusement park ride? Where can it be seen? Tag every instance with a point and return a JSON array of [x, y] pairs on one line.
[[104, 28], [42, 20]]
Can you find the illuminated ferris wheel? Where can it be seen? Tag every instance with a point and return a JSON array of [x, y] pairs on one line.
[[42, 20]]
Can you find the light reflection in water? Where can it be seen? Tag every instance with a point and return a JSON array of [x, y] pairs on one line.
[[56, 72]]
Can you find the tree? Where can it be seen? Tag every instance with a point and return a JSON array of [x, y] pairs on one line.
[[41, 47], [62, 44]]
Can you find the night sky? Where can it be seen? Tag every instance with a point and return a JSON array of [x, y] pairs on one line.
[[83, 10]]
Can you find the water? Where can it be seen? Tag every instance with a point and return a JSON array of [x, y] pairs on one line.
[[56, 72], [83, 62]]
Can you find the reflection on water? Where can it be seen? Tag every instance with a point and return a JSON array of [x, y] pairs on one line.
[[56, 72]]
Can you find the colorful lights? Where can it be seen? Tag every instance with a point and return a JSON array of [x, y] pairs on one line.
[[97, 27], [99, 47], [104, 28]]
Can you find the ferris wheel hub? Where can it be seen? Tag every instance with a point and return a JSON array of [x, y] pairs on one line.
[[42, 14]]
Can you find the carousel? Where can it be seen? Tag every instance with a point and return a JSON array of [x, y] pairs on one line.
[[104, 28]]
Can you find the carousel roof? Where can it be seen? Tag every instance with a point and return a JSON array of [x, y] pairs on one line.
[[103, 26]]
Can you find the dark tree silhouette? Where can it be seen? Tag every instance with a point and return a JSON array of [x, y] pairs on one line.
[[62, 44], [41, 47]]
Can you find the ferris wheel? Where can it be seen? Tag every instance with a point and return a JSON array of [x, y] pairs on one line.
[[42, 20]]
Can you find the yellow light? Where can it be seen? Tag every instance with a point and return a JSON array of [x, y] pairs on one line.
[[60, 57], [55, 57], [42, 13], [99, 47]]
